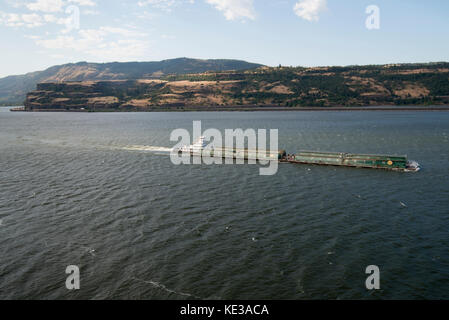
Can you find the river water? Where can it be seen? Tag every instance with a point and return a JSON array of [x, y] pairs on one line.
[[98, 190]]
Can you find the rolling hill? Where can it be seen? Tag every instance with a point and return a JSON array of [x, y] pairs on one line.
[[352, 86], [13, 89]]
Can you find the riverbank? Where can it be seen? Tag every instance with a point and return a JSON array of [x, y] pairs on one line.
[[245, 109]]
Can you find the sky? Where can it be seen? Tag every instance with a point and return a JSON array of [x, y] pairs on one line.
[[37, 34]]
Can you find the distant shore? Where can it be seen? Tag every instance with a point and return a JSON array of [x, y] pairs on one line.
[[247, 109]]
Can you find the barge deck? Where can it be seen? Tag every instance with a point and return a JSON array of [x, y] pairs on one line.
[[372, 161]]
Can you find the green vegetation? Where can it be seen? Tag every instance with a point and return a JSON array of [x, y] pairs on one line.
[[407, 84], [13, 89]]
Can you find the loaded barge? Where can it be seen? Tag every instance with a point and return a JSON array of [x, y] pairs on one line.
[[373, 161]]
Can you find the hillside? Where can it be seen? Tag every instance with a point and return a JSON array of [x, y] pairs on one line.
[[13, 89], [406, 84]]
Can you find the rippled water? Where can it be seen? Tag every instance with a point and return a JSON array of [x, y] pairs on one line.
[[94, 190]]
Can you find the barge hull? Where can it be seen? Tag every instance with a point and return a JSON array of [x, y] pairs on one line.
[[398, 163]]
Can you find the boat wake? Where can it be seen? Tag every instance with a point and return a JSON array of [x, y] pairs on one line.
[[147, 148], [412, 166]]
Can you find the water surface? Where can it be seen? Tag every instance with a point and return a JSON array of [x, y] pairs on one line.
[[75, 190]]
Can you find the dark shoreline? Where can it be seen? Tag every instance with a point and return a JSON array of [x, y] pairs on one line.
[[249, 109]]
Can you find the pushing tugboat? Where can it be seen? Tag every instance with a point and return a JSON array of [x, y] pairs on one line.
[[373, 161]]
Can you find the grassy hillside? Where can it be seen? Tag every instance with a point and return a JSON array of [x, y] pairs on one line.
[[13, 89], [407, 84], [415, 84]]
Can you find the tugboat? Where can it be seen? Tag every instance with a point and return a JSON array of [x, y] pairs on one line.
[[199, 149], [195, 148]]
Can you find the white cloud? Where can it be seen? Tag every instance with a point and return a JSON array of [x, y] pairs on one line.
[[56, 5], [57, 56], [122, 32], [103, 43], [91, 12], [52, 12], [165, 5], [235, 9], [87, 3], [145, 15], [21, 20], [121, 50], [10, 19], [156, 3], [46, 5], [310, 9], [14, 3], [32, 37], [50, 18]]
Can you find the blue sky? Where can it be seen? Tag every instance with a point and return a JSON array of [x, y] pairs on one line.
[[36, 34]]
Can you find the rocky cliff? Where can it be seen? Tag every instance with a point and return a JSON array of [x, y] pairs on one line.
[[415, 84], [13, 89]]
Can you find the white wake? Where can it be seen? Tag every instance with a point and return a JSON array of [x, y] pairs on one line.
[[147, 148]]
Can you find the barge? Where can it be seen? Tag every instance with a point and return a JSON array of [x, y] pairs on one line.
[[373, 161]]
